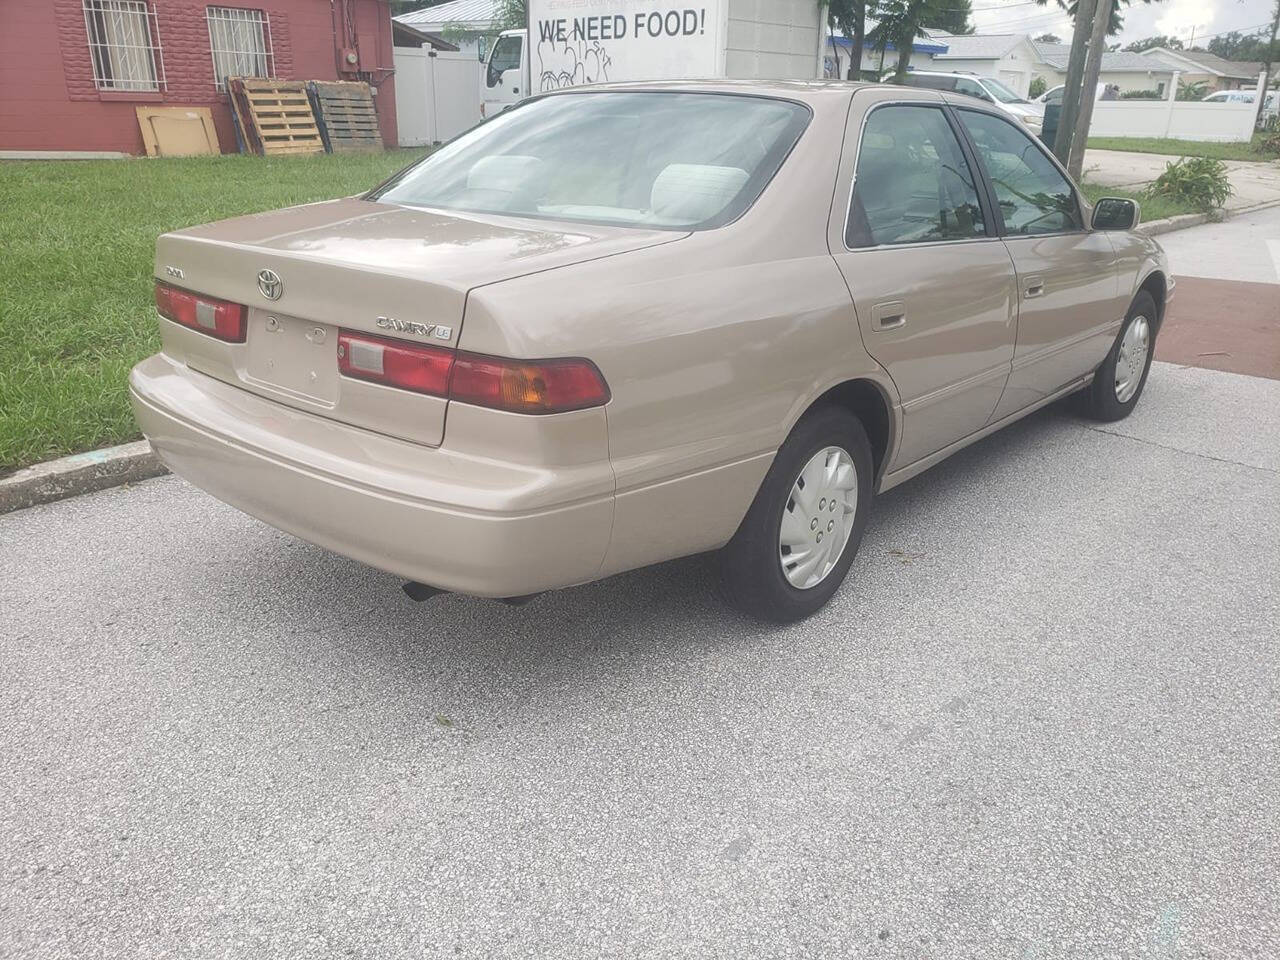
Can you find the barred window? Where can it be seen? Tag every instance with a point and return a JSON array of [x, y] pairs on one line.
[[124, 44], [240, 41]]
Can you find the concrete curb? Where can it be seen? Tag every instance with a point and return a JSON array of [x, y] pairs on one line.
[[1154, 228], [81, 473]]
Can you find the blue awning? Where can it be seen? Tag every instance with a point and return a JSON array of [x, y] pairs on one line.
[[920, 46]]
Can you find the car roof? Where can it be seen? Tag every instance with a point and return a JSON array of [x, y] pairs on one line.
[[802, 90]]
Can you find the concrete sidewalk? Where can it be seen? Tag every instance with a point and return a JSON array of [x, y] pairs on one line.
[[1254, 183]]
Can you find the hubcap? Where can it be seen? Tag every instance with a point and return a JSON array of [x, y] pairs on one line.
[[818, 517], [1132, 361]]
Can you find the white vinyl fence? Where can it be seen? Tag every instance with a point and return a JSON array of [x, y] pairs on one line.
[[437, 94], [1179, 119]]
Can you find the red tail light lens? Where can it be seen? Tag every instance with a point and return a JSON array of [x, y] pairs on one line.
[[395, 363], [217, 318], [541, 386]]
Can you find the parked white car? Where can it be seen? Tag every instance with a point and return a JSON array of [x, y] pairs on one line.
[[1270, 106], [984, 88], [1054, 94]]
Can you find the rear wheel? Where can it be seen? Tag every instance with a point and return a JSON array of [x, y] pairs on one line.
[[796, 543], [1118, 383]]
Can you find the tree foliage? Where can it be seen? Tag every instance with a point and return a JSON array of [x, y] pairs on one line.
[[1048, 38], [1239, 46], [1150, 43]]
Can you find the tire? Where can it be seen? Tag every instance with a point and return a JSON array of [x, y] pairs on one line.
[[755, 576], [1109, 397]]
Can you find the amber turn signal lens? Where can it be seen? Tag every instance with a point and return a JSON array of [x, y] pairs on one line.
[[545, 386]]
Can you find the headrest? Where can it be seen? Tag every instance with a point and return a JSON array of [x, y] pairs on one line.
[[693, 192]]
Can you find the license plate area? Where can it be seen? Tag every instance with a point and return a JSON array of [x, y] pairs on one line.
[[293, 357]]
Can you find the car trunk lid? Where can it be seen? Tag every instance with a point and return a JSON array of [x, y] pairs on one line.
[[307, 272]]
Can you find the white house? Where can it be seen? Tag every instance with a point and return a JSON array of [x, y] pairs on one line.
[[468, 24], [1122, 69], [1213, 71]]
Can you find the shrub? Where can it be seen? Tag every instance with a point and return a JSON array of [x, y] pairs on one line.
[[1037, 88], [1142, 95], [1193, 91], [1199, 182]]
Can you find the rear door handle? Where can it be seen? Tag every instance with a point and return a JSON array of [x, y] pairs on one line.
[[888, 315], [1035, 286]]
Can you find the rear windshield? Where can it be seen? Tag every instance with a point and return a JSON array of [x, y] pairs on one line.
[[671, 160]]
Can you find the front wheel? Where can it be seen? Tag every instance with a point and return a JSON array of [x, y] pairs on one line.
[[1118, 383], [800, 535]]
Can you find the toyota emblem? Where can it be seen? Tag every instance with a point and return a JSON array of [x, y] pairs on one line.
[[270, 284]]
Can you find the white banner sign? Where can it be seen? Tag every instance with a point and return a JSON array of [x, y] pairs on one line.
[[573, 42]]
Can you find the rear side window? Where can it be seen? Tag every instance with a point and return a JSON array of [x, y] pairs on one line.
[[1034, 196], [932, 83], [912, 183]]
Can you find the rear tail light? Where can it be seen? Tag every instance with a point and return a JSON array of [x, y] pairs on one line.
[[540, 386], [218, 318], [543, 386], [395, 363]]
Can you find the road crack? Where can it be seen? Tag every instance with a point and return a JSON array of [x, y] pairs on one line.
[[1190, 453]]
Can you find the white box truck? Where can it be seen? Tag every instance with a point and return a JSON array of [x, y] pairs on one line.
[[574, 42]]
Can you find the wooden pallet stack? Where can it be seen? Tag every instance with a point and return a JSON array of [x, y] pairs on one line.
[[274, 116], [346, 114]]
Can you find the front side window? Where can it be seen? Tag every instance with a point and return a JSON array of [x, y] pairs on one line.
[[506, 56], [240, 41], [123, 45], [673, 160], [1034, 197], [912, 183]]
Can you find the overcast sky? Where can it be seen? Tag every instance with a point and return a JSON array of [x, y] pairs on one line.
[[1177, 17]]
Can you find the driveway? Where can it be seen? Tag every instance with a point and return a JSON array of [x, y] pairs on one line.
[[1042, 719]]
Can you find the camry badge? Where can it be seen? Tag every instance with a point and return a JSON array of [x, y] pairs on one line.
[[415, 328], [270, 285]]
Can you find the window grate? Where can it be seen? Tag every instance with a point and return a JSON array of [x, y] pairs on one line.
[[124, 45], [240, 42]]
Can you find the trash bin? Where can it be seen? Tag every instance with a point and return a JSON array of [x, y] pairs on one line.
[[1049, 129]]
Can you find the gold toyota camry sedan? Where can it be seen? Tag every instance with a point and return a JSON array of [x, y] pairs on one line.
[[627, 323]]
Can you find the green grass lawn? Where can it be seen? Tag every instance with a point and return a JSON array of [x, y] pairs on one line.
[[1153, 208], [77, 240], [1187, 148]]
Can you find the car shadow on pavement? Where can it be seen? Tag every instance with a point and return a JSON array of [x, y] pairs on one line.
[[672, 608]]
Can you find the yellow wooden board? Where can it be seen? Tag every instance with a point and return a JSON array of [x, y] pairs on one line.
[[178, 131]]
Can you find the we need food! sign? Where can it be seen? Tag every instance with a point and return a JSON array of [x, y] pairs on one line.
[[573, 42]]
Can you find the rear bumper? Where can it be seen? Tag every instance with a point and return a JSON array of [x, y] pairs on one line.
[[455, 521]]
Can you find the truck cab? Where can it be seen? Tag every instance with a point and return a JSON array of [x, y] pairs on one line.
[[506, 74]]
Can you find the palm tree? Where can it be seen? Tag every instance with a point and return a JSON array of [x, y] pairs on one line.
[[850, 18], [900, 23]]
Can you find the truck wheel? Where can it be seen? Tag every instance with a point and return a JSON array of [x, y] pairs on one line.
[[795, 545]]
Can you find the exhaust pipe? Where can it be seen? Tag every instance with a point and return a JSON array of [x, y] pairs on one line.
[[418, 592]]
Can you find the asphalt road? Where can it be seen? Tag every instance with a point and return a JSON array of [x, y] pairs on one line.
[[1042, 719]]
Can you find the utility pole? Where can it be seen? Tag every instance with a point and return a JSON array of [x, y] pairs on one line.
[[1075, 75], [1270, 58], [1089, 91]]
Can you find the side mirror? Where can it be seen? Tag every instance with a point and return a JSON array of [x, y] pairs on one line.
[[1115, 213]]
